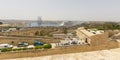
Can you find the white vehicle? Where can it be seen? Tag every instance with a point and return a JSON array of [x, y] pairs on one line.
[[5, 46]]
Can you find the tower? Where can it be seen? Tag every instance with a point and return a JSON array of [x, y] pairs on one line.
[[39, 21]]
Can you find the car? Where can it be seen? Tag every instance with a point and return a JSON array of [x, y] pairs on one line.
[[74, 42], [22, 44], [38, 43], [2, 46]]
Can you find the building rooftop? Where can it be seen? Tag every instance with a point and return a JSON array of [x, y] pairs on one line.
[[87, 33], [90, 32]]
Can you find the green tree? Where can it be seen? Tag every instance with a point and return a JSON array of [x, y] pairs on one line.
[[65, 30], [50, 35], [37, 33], [42, 33]]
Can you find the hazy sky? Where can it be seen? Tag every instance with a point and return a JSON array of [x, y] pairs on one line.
[[60, 9]]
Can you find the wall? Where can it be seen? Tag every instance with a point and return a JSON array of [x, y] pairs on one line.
[[58, 50], [99, 39]]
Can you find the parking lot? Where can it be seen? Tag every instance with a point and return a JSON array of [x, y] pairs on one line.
[[53, 45]]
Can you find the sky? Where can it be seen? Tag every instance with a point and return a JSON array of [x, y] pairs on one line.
[[101, 10]]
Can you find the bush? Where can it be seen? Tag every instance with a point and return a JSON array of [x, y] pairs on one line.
[[38, 47], [6, 49], [37, 33], [14, 49], [17, 49], [50, 35], [24, 48], [31, 48], [47, 46]]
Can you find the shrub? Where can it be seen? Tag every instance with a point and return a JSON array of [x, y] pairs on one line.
[[24, 48], [38, 47], [30, 48], [14, 49], [37, 33], [17, 49], [47, 46], [6, 49], [50, 35]]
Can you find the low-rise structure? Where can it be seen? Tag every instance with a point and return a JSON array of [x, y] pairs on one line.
[[92, 37]]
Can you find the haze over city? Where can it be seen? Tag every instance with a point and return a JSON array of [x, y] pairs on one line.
[[100, 10]]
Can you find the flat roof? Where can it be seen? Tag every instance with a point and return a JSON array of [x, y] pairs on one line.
[[89, 34]]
